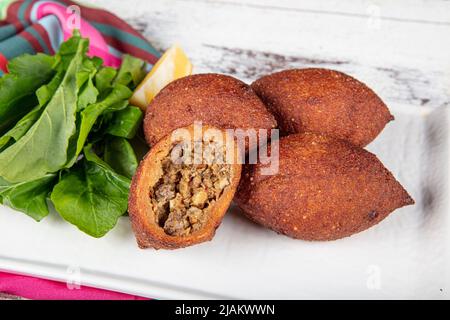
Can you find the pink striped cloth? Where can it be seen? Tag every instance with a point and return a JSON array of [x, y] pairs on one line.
[[31, 26], [40, 289]]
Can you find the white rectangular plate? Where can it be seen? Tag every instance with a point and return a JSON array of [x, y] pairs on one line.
[[405, 256]]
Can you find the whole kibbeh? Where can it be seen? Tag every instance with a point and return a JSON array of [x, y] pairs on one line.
[[176, 204], [323, 101], [213, 99], [326, 189]]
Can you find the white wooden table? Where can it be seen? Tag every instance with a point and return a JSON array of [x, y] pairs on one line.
[[399, 48]]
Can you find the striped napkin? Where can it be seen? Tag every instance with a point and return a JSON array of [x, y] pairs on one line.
[[31, 26]]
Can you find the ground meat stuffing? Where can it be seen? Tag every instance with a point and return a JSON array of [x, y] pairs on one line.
[[181, 197]]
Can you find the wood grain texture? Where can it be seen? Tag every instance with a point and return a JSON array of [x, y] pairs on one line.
[[399, 48], [428, 11]]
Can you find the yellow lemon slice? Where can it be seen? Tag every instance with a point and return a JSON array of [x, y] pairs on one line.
[[174, 64]]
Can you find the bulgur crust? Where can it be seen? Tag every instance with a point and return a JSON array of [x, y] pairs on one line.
[[323, 101], [217, 100], [148, 232], [326, 189]]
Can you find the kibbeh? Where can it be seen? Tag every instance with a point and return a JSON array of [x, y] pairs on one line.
[[325, 189], [323, 101], [213, 99], [177, 204]]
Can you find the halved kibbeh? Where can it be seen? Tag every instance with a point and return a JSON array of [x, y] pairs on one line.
[[180, 193]]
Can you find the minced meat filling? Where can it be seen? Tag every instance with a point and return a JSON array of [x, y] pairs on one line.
[[184, 192]]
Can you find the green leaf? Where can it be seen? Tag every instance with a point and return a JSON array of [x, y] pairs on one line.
[[104, 79], [121, 105], [44, 148], [46, 92], [120, 156], [17, 88], [69, 49], [91, 196], [86, 72], [21, 127], [131, 72], [125, 123], [90, 115], [28, 197], [139, 145], [44, 95], [91, 156], [88, 95]]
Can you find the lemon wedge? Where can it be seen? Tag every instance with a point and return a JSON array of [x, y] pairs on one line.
[[174, 64]]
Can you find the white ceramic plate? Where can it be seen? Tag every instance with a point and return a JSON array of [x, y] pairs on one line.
[[406, 256]]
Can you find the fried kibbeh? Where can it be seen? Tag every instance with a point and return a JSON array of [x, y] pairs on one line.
[[183, 188], [326, 189], [217, 100], [323, 101]]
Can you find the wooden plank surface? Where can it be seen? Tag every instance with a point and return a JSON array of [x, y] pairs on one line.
[[399, 48], [428, 11]]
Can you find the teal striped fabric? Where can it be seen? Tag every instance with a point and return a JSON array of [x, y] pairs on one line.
[[31, 26]]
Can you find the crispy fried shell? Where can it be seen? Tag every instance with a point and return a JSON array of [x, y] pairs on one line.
[[213, 99], [326, 189], [323, 101]]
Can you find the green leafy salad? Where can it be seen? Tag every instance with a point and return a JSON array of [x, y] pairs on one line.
[[68, 136]]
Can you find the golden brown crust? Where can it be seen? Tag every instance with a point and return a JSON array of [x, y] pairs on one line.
[[147, 232], [214, 99], [326, 189], [323, 101]]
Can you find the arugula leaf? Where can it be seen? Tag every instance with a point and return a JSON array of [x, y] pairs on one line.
[[104, 79], [46, 92], [20, 128], [69, 49], [121, 105], [88, 95], [91, 196], [17, 88], [43, 149], [119, 154], [89, 116], [125, 123], [131, 72], [28, 197], [139, 145], [43, 94]]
